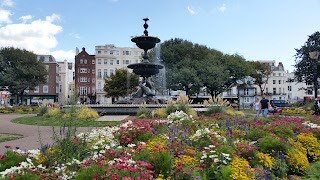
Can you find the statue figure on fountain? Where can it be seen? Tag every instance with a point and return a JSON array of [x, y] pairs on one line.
[[145, 88]]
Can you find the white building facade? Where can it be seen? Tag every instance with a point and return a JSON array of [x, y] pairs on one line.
[[108, 59], [63, 76]]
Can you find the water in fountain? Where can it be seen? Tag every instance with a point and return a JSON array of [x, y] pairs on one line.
[[160, 79]]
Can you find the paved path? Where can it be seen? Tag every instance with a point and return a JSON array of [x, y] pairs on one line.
[[32, 134]]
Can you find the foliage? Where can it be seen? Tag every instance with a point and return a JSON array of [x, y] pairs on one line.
[[304, 64], [52, 112], [313, 172], [280, 168], [297, 161], [121, 83], [143, 112], [20, 70], [191, 66], [214, 109], [241, 169], [91, 171], [10, 159], [260, 74], [86, 113], [160, 113]]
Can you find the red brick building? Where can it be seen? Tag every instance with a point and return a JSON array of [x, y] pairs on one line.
[[85, 72]]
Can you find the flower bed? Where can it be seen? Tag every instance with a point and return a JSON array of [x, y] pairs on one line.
[[179, 147]]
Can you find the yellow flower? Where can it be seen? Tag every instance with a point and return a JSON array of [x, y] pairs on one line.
[[265, 159], [241, 170]]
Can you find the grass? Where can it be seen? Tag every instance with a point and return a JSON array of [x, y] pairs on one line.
[[55, 121], [9, 137]]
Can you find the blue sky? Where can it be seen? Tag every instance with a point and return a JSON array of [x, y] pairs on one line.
[[255, 29]]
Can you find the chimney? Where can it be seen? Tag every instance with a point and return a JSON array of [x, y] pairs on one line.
[[83, 49]]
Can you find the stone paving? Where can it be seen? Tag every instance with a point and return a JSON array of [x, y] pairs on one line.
[[35, 135]]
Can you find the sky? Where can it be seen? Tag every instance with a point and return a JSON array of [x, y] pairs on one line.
[[254, 29]]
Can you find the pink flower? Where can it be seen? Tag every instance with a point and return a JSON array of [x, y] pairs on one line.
[[2, 157]]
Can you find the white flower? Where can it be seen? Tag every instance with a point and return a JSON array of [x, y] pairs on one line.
[[102, 151], [211, 146], [131, 145]]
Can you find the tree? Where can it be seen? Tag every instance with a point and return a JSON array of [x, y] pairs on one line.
[[20, 70], [121, 83], [304, 65], [192, 66], [260, 73]]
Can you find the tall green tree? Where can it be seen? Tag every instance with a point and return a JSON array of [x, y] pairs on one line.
[[304, 64], [121, 83], [20, 70], [260, 73]]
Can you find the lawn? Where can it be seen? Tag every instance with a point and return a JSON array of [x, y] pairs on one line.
[[57, 121], [9, 137]]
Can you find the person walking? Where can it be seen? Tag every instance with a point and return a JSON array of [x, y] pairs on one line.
[[264, 106], [257, 107]]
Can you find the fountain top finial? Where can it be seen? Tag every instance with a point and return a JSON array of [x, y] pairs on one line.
[[145, 26]]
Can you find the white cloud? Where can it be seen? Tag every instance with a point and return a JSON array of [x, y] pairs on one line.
[[37, 36], [5, 16], [75, 35], [191, 10], [222, 8], [8, 3], [61, 55], [26, 18], [52, 18]]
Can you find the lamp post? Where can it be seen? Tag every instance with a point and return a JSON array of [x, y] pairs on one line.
[[314, 55], [239, 82]]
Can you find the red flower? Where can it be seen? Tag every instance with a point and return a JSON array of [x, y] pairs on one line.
[[17, 147], [2, 157], [7, 146]]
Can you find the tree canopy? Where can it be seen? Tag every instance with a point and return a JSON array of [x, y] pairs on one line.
[[20, 70], [304, 64], [121, 83], [260, 73], [191, 66]]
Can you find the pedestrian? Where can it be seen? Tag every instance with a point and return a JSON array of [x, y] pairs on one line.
[[257, 107], [264, 106]]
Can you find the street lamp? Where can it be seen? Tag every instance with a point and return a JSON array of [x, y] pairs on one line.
[[239, 82], [314, 55]]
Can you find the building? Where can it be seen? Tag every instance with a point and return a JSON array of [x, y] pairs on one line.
[[85, 76], [108, 59], [48, 91], [65, 71], [297, 91]]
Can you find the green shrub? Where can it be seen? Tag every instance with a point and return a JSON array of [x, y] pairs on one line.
[[280, 169], [11, 159], [214, 109], [43, 110], [86, 113], [162, 163], [88, 173], [313, 172], [53, 112], [270, 143], [171, 108]]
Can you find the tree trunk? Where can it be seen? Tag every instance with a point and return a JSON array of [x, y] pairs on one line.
[[261, 90]]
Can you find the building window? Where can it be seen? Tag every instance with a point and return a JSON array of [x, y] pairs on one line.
[[279, 90], [45, 89], [105, 73], [126, 52], [309, 92], [105, 61], [83, 79], [99, 52], [111, 62], [279, 81], [36, 89], [274, 81], [273, 74], [99, 86], [289, 88], [93, 71], [99, 61], [85, 61], [105, 52], [246, 100], [126, 61], [267, 90], [60, 88], [81, 61], [59, 77], [111, 52], [93, 80], [88, 70], [111, 72], [246, 91], [274, 91], [83, 70], [93, 61], [99, 73], [83, 90], [118, 62], [137, 60]]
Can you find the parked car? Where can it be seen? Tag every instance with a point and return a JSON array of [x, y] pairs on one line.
[[34, 104], [278, 103]]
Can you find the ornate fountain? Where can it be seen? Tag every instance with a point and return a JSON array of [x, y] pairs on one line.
[[145, 69]]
